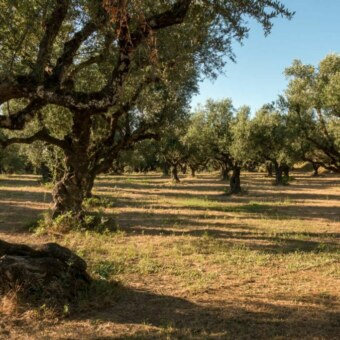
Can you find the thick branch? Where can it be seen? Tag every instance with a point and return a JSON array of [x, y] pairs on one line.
[[70, 49], [125, 143], [52, 29], [139, 136], [128, 42], [108, 141], [41, 135], [9, 89], [91, 102], [18, 120], [173, 16], [94, 59]]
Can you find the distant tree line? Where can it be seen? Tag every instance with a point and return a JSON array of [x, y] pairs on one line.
[[301, 126]]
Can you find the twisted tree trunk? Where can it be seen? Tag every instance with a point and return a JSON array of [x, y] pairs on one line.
[[174, 173], [193, 171], [89, 183], [69, 193], [269, 169], [279, 180], [286, 170], [235, 181], [316, 167]]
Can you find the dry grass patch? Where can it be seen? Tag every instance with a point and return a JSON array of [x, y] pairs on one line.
[[188, 261]]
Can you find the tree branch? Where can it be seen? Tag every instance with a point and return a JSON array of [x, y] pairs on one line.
[[128, 42], [173, 16], [9, 89], [70, 49], [52, 29], [94, 59], [41, 135], [18, 120]]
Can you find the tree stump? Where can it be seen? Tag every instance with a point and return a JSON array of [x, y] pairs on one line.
[[44, 273]]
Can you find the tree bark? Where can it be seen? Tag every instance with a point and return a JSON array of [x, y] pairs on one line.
[[174, 174], [184, 169], [315, 169], [69, 193], [235, 181], [90, 182], [278, 174], [269, 169], [286, 170], [193, 171]]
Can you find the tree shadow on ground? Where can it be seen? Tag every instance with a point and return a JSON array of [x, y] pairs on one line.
[[18, 218], [284, 243], [180, 318], [246, 211], [19, 181]]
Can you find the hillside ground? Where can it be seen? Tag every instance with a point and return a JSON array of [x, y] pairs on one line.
[[188, 261]]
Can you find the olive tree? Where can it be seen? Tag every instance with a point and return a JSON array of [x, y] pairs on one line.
[[195, 141], [103, 61], [272, 140], [313, 103]]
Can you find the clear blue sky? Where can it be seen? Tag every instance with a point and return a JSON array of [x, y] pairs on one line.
[[257, 77]]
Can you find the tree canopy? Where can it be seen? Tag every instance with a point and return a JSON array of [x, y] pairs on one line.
[[313, 102], [111, 72]]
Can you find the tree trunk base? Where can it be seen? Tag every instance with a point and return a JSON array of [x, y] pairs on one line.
[[44, 274], [174, 175], [235, 182]]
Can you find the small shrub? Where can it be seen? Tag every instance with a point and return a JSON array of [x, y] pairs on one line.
[[95, 202], [104, 269], [65, 223]]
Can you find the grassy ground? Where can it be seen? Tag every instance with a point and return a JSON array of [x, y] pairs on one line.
[[188, 261]]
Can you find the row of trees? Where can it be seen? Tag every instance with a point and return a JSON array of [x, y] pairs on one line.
[[303, 125]]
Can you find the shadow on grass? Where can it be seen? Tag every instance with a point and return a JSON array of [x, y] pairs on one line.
[[283, 243], [180, 318], [18, 218], [19, 181]]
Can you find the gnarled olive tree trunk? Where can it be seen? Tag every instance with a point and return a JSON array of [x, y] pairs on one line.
[[316, 167], [235, 181], [91, 176], [193, 171], [174, 173], [69, 193], [281, 173], [77, 181], [269, 169], [183, 168], [286, 170]]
